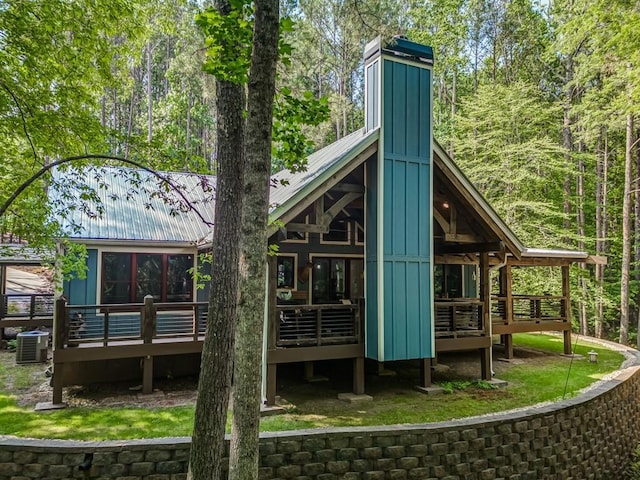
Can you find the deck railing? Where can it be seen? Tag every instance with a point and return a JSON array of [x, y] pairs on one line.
[[529, 308], [315, 325], [456, 318], [24, 305], [81, 324]]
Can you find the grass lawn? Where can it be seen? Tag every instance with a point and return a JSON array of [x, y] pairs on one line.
[[539, 374]]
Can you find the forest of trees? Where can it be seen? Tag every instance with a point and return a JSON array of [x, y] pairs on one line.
[[536, 102]]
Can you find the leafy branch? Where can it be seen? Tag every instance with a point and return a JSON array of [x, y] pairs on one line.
[[166, 180]]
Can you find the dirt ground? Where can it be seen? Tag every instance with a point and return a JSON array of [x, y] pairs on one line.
[[31, 385]]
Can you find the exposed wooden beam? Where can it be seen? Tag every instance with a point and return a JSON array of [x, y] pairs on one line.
[[462, 238], [453, 219], [455, 260], [596, 260], [319, 209], [348, 188], [540, 262], [472, 248], [330, 214], [307, 228], [441, 220]]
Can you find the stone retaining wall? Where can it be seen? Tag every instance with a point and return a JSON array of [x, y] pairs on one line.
[[589, 437]]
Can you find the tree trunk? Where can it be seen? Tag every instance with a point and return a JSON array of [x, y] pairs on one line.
[[243, 462], [187, 142], [567, 143], [149, 92], [601, 228], [626, 235], [214, 387], [580, 226], [636, 235]]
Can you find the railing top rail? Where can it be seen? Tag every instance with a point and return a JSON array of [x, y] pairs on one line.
[[134, 307], [447, 303], [528, 297], [28, 294], [330, 306]]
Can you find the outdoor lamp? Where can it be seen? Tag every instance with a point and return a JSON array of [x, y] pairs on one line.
[[593, 357]]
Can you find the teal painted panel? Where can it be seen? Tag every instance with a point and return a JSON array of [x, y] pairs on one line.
[[424, 100], [406, 206], [398, 204], [387, 208], [413, 195], [371, 258], [83, 291], [401, 308], [413, 124], [398, 120], [373, 87], [424, 200], [414, 329], [389, 327]]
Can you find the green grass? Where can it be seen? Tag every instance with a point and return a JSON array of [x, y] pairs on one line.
[[540, 378]]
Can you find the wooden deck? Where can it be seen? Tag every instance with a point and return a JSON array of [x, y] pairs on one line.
[[296, 333], [26, 310]]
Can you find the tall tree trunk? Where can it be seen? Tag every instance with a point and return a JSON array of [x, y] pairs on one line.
[[601, 228], [214, 387], [454, 99], [187, 142], [626, 235], [567, 143], [636, 235], [149, 92], [249, 339], [580, 223], [132, 103]]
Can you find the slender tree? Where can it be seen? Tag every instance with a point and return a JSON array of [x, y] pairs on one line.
[[248, 353], [214, 386]]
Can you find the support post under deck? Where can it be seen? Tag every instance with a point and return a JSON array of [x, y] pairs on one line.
[[566, 293]]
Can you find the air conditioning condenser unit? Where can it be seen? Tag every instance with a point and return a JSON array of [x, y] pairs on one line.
[[31, 347]]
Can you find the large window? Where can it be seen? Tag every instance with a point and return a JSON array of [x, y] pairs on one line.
[[337, 279], [129, 277], [455, 281]]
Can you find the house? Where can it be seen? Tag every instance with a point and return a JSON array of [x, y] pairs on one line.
[[385, 253], [25, 298]]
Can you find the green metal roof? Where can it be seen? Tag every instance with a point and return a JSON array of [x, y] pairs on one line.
[[135, 205]]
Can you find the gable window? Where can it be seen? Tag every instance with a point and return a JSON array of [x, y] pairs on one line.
[[455, 281], [286, 272], [129, 277], [335, 280]]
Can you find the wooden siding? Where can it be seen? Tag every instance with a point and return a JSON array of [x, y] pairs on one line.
[[371, 259], [406, 211], [84, 291]]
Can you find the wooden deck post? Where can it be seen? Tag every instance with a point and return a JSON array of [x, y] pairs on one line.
[[59, 342], [272, 321], [60, 324], [148, 331], [566, 293], [272, 369], [425, 372], [485, 364], [485, 297], [508, 309], [358, 376]]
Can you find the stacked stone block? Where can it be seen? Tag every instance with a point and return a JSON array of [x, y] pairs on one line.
[[589, 437]]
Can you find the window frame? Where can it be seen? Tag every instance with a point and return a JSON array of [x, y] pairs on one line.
[[133, 266]]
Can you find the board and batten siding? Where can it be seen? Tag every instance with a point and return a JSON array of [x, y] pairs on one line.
[[399, 218], [84, 291]]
